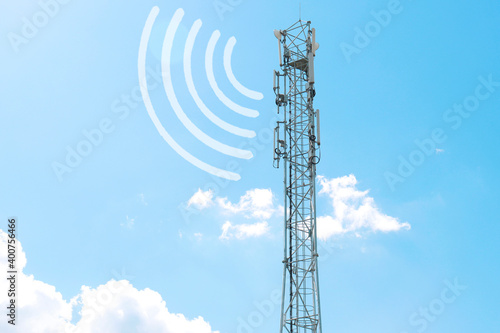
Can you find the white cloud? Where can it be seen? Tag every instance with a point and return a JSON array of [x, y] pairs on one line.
[[328, 226], [243, 231], [439, 151], [353, 210], [40, 306], [201, 199], [129, 223], [119, 307], [256, 203], [143, 199], [114, 307]]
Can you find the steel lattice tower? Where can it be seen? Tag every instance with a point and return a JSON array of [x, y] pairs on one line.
[[297, 143]]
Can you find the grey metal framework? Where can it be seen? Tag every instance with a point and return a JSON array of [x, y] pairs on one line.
[[297, 144]]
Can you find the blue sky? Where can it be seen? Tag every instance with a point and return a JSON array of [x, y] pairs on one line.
[[123, 211]]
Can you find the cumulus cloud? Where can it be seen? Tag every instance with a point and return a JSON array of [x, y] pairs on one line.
[[142, 199], [256, 204], [129, 223], [353, 210], [114, 307], [201, 199], [43, 308], [243, 231], [119, 307]]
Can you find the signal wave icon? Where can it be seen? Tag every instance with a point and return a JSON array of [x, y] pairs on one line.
[[169, 90]]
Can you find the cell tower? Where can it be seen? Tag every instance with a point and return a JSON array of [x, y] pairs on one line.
[[297, 142]]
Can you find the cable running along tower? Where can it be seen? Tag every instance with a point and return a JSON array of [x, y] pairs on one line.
[[297, 143]]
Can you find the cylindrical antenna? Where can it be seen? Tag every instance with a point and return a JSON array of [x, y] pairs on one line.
[[274, 144], [279, 47], [318, 138], [314, 45], [278, 35], [274, 80], [311, 68]]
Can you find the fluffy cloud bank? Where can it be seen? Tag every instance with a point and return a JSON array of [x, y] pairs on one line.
[[256, 204], [353, 210], [114, 307], [243, 231], [201, 200]]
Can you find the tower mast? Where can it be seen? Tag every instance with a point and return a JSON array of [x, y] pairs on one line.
[[297, 142]]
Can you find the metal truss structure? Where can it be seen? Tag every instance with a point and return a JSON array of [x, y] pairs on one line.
[[297, 143]]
